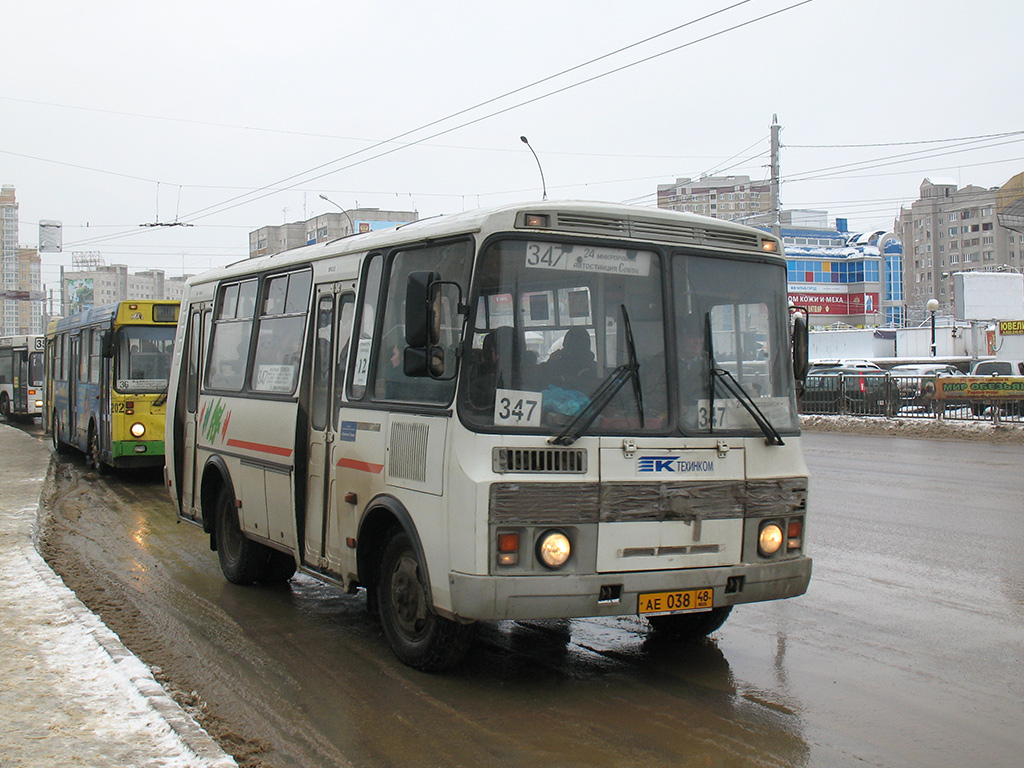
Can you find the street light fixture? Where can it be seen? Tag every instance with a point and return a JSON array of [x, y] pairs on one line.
[[351, 226], [933, 306]]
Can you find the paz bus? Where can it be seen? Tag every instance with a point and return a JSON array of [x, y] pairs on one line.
[[539, 411], [106, 382], [21, 376]]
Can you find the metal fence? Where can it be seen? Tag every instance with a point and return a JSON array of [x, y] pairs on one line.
[[888, 395]]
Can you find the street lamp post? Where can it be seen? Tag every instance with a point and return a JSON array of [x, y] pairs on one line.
[[932, 306], [351, 226]]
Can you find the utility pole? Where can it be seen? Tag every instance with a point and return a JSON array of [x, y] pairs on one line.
[[776, 205]]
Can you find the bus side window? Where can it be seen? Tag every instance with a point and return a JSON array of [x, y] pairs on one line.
[[232, 330], [452, 261], [282, 323], [345, 319], [367, 323]]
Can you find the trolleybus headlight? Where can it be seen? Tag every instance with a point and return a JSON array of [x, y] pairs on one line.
[[138, 429], [553, 549], [769, 541]]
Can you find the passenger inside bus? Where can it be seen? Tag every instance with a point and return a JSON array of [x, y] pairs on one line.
[[573, 366]]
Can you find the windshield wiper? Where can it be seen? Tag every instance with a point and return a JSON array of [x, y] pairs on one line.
[[772, 436], [606, 392]]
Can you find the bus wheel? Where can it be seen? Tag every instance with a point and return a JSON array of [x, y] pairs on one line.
[[94, 452], [418, 636], [242, 560], [5, 407], [690, 626], [60, 448]]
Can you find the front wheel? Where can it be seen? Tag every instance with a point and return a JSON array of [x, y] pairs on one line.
[[690, 626], [94, 458], [5, 407], [418, 636], [241, 560]]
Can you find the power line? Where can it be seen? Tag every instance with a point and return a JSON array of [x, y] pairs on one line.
[[233, 203]]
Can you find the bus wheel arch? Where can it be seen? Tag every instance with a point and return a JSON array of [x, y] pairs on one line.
[[384, 517], [215, 477], [393, 569]]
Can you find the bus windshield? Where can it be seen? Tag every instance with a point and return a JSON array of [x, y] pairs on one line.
[[548, 329], [143, 358], [555, 326], [732, 341]]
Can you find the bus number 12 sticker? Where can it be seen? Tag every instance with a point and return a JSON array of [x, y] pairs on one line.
[[514, 408]]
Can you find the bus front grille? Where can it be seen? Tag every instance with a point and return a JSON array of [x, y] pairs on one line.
[[539, 460]]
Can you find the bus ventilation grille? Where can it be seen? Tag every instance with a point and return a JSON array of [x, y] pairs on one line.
[[540, 460]]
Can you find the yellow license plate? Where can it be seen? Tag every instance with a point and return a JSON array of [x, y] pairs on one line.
[[683, 601]]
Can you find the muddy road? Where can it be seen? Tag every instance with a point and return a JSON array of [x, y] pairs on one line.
[[906, 651]]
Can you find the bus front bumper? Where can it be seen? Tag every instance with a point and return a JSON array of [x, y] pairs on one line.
[[576, 596]]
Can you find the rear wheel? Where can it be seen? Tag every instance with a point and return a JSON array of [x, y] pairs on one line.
[[690, 626], [418, 636], [241, 560]]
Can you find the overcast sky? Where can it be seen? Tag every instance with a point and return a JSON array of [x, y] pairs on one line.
[[231, 115]]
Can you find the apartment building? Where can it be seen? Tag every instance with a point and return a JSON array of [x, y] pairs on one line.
[[951, 229], [733, 198], [267, 241], [106, 284]]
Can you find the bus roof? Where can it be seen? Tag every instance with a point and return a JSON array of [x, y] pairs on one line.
[[565, 217]]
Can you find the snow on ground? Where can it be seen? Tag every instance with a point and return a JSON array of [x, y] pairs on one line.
[[923, 428]]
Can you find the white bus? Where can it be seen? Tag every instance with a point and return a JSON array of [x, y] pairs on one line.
[[539, 411], [21, 376]]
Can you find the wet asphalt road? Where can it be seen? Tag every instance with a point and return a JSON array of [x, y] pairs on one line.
[[908, 649]]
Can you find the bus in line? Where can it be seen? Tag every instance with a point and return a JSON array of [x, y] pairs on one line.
[[106, 382], [21, 376], [541, 411]]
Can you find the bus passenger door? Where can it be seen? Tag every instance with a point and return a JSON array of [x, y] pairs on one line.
[[332, 327], [187, 451]]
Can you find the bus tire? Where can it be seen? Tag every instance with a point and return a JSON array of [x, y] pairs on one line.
[[690, 626], [59, 446], [93, 456], [418, 636], [242, 560], [5, 407]]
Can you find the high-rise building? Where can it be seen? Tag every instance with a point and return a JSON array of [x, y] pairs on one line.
[[21, 283], [10, 265], [953, 229]]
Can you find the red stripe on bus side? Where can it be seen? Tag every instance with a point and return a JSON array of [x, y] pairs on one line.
[[361, 465], [276, 450]]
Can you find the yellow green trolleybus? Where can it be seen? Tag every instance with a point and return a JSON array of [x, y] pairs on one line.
[[106, 382]]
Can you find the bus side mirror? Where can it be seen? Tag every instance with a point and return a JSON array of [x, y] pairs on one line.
[[422, 309], [107, 343], [801, 344]]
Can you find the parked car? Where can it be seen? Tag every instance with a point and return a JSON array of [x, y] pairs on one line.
[[916, 383], [849, 390], [834, 363]]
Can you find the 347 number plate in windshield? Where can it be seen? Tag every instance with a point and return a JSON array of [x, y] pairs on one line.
[[682, 601]]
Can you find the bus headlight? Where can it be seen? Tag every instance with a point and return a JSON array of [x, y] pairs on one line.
[[769, 541], [553, 549], [137, 429]]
